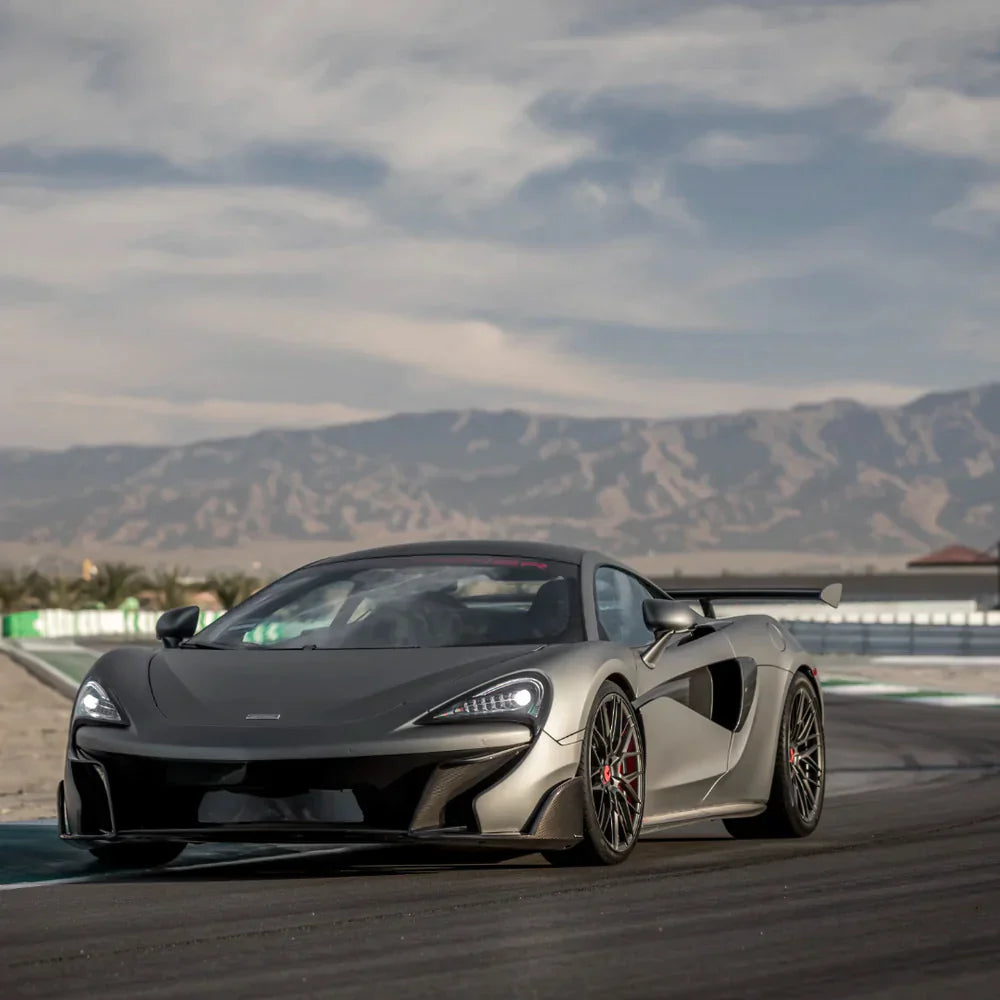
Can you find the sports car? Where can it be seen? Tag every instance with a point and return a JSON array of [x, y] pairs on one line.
[[492, 695]]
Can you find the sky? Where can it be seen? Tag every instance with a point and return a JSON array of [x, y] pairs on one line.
[[220, 216]]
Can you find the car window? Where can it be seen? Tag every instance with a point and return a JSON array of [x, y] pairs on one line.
[[315, 608], [619, 607], [426, 601]]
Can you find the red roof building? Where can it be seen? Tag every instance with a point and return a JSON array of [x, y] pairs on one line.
[[954, 556]]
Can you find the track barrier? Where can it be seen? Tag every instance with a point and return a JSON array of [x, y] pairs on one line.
[[57, 623], [940, 627]]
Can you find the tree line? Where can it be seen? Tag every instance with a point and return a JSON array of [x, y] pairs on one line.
[[113, 583]]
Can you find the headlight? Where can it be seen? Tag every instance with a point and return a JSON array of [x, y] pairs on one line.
[[520, 696], [94, 705]]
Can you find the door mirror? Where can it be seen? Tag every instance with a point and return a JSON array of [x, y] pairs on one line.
[[663, 616], [172, 627]]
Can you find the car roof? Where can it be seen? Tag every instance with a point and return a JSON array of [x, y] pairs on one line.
[[472, 547]]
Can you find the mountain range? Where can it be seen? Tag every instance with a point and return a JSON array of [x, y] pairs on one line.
[[832, 477]]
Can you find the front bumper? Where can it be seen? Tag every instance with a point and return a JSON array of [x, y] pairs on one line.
[[429, 796]]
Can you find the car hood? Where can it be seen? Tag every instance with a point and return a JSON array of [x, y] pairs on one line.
[[317, 687]]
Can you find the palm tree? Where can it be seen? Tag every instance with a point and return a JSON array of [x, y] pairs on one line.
[[15, 590], [64, 592], [36, 587], [232, 588], [113, 582], [170, 588]]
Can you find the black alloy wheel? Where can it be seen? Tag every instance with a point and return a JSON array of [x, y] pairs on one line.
[[805, 756], [797, 788], [612, 766]]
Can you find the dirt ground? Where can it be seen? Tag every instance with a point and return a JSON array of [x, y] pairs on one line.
[[33, 724]]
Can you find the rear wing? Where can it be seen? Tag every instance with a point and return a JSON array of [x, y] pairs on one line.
[[706, 598]]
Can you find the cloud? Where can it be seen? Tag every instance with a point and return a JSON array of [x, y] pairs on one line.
[[267, 212], [332, 248], [946, 123], [977, 214], [195, 87], [143, 419], [728, 149], [84, 239], [469, 353], [784, 56], [233, 415], [446, 96]]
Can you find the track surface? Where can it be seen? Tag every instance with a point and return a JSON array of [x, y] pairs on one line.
[[896, 895]]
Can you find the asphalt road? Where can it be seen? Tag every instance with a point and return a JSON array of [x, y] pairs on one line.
[[896, 895]]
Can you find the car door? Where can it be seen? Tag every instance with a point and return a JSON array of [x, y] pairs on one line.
[[686, 752]]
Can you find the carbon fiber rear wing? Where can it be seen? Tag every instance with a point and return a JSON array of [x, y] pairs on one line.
[[707, 598]]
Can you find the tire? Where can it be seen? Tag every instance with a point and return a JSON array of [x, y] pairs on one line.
[[799, 783], [614, 783], [139, 855]]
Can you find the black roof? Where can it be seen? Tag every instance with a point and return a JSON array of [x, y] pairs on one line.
[[483, 547]]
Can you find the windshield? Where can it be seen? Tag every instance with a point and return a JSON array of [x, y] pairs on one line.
[[425, 601]]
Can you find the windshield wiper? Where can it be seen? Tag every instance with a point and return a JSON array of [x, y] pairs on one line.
[[198, 644], [314, 647]]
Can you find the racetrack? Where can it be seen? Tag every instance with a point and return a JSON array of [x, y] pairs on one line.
[[897, 894]]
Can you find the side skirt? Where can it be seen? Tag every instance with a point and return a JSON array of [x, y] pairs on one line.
[[653, 824]]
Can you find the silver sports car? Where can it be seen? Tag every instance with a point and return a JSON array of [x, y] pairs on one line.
[[486, 694]]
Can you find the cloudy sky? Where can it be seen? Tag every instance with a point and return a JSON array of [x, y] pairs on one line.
[[217, 216]]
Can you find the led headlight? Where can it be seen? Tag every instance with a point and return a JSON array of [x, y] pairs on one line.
[[94, 705], [519, 696]]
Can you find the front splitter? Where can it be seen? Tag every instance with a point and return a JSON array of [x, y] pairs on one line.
[[558, 824]]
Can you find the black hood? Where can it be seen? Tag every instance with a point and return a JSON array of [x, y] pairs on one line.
[[317, 687]]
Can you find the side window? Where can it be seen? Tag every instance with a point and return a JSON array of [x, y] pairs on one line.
[[619, 607]]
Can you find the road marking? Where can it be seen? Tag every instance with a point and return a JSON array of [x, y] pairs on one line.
[[900, 692], [112, 876], [953, 661], [237, 862], [52, 881]]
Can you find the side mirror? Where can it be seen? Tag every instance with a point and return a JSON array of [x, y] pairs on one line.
[[663, 616], [173, 626]]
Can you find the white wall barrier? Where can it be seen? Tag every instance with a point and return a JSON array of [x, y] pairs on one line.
[[954, 613], [58, 623]]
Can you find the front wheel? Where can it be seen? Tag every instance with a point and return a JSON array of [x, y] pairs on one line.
[[612, 766], [139, 855], [799, 782]]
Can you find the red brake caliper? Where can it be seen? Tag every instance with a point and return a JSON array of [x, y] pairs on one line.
[[629, 765]]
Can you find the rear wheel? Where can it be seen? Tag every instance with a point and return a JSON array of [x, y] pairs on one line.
[[799, 782], [139, 855], [612, 766]]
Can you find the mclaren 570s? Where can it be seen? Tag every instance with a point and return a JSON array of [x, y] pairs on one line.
[[491, 695]]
